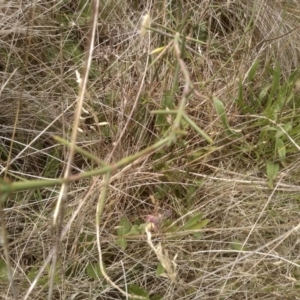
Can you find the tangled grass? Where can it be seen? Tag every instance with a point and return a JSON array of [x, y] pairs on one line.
[[196, 127]]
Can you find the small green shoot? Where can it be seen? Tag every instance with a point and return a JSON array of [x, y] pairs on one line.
[[272, 171], [220, 109], [253, 70]]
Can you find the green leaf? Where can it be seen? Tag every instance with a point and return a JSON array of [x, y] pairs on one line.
[[236, 245], [142, 227], [287, 127], [122, 230], [93, 271], [124, 227], [134, 230], [253, 70], [244, 107], [168, 228], [122, 242], [195, 223], [198, 235], [136, 290], [281, 149], [263, 93], [197, 128], [276, 73], [168, 100], [219, 106], [199, 225], [160, 269], [272, 171], [192, 221]]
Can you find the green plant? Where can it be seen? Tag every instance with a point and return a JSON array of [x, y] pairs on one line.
[[183, 179]]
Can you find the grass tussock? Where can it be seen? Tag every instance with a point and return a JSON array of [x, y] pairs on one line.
[[178, 176]]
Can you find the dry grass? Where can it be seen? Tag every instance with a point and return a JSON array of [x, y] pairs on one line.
[[233, 232]]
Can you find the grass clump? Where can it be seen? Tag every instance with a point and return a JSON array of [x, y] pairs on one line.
[[160, 164]]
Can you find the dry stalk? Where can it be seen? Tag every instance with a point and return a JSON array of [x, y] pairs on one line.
[[162, 256], [58, 213]]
